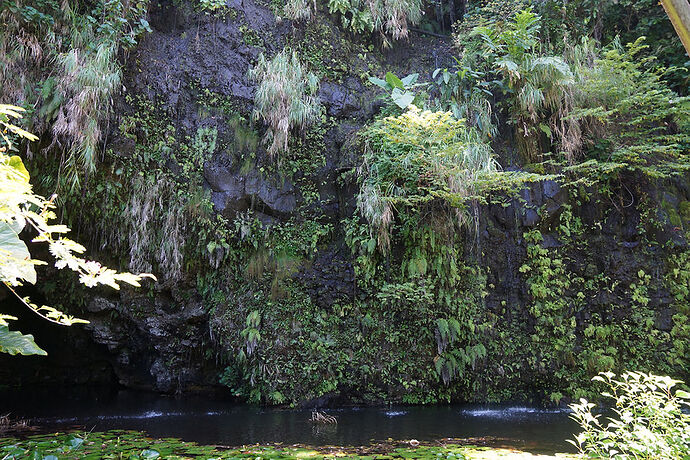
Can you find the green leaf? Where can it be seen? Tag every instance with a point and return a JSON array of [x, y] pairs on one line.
[[682, 394], [150, 454], [410, 80], [14, 342], [16, 251], [380, 83], [17, 164], [402, 99], [394, 81]]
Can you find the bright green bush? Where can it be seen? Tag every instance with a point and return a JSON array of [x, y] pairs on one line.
[[416, 161], [649, 422]]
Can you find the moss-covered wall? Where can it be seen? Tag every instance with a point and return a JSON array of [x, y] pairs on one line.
[[270, 285]]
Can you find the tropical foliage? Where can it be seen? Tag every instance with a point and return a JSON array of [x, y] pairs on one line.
[[651, 420], [62, 60], [20, 208], [414, 160], [285, 99]]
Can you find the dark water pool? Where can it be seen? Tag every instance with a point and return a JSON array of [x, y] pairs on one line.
[[215, 421]]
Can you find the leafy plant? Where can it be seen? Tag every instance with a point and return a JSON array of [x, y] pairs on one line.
[[21, 208], [400, 90], [649, 423], [625, 115], [285, 99], [210, 6], [415, 160], [467, 94], [537, 85], [353, 15]]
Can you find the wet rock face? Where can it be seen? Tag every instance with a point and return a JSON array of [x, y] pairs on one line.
[[234, 192], [161, 342], [153, 344], [330, 278], [211, 51]]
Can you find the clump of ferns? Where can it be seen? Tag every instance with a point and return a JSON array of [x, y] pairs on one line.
[[422, 163], [263, 255], [453, 358], [299, 10], [285, 98], [250, 333]]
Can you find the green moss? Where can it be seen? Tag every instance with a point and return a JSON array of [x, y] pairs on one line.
[[672, 214], [684, 211]]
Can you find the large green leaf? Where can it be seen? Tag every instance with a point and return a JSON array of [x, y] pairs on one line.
[[14, 342], [402, 99], [394, 81], [380, 83], [410, 80], [14, 248], [16, 163]]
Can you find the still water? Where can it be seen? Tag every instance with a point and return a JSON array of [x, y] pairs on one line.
[[216, 421]]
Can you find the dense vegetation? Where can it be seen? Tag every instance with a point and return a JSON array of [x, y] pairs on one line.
[[502, 227]]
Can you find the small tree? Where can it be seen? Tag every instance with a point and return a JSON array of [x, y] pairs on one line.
[[21, 208]]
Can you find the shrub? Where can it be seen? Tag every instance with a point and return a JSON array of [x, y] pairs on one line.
[[285, 99], [390, 17], [416, 161], [299, 10], [649, 423], [626, 115], [537, 85]]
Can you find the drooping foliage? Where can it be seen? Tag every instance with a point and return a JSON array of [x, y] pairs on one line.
[[536, 84], [62, 61], [625, 114], [419, 160], [21, 208], [285, 99], [391, 18], [299, 10]]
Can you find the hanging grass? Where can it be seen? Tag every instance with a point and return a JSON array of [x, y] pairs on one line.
[[285, 99]]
